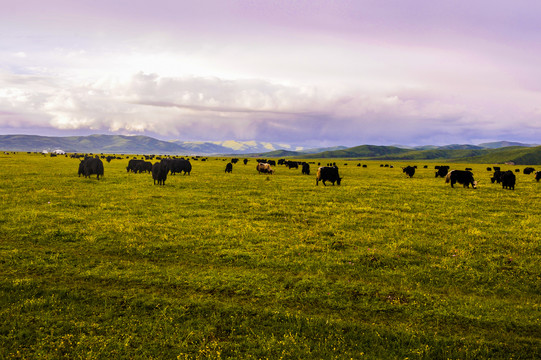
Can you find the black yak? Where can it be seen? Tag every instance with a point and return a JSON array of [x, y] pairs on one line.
[[159, 172], [91, 166], [328, 173], [306, 168], [508, 180], [409, 170], [463, 177]]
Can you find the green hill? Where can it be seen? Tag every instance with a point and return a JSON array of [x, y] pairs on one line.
[[361, 152], [512, 154], [432, 155], [519, 155], [281, 153]]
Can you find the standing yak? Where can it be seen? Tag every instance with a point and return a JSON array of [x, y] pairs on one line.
[[508, 180], [409, 170], [132, 165], [264, 168], [90, 166], [328, 173], [442, 171], [179, 165], [305, 168], [229, 168], [159, 172], [463, 177], [144, 166], [81, 168]]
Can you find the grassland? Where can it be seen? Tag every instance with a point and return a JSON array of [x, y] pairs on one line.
[[241, 265]]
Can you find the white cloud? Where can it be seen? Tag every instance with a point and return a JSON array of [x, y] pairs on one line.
[[201, 108]]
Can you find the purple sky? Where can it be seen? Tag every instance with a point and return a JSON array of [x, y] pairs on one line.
[[308, 73]]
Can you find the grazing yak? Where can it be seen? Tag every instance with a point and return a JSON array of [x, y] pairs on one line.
[[508, 180], [264, 168], [528, 170], [159, 172], [229, 168], [305, 168], [132, 165], [328, 173], [442, 171], [139, 166], [497, 176], [90, 166], [145, 166], [81, 168], [179, 165], [292, 164], [463, 177], [538, 176], [409, 170]]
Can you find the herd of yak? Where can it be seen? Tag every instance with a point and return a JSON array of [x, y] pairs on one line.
[[159, 170], [465, 177]]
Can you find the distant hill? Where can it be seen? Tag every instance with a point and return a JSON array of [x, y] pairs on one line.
[[515, 154], [231, 147], [320, 150], [364, 151], [277, 154], [501, 144], [120, 144], [202, 148], [115, 144], [491, 145], [519, 155], [459, 147]]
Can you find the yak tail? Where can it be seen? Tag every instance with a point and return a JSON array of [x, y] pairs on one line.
[[448, 177]]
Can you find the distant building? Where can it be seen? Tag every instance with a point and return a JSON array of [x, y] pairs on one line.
[[44, 152], [59, 152]]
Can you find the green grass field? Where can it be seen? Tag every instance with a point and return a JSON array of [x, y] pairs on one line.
[[242, 265]]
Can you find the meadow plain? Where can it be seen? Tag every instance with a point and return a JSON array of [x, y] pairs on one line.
[[242, 265]]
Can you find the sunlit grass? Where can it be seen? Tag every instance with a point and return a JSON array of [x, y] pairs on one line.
[[242, 265]]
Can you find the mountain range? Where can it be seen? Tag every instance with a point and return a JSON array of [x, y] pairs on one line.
[[501, 151], [122, 144]]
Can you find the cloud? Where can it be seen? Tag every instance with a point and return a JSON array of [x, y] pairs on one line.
[[203, 108]]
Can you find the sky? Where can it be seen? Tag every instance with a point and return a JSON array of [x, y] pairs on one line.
[[307, 73]]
